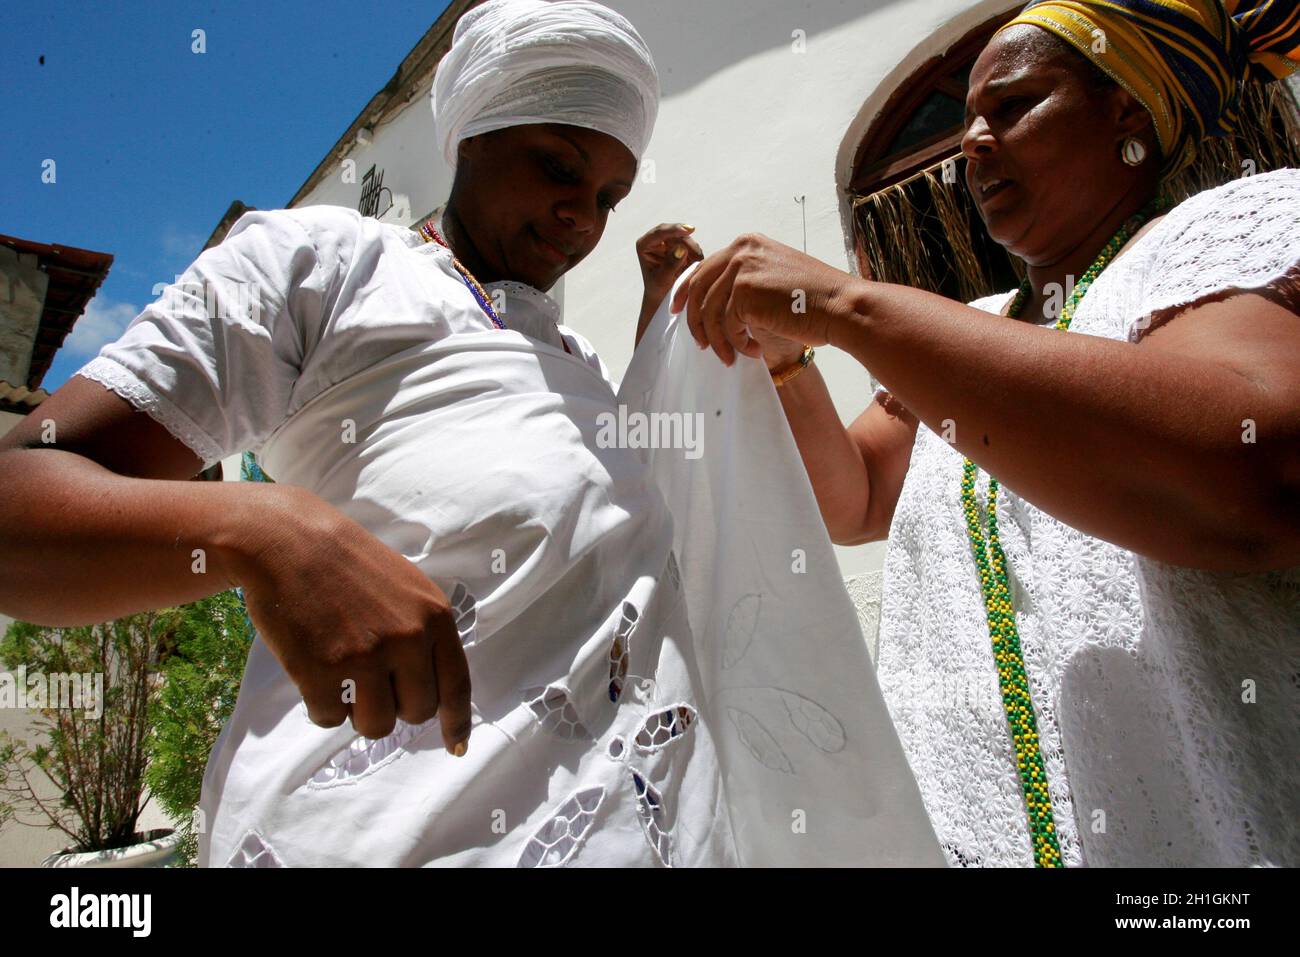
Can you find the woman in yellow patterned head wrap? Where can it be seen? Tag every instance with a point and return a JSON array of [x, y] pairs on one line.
[[1090, 485]]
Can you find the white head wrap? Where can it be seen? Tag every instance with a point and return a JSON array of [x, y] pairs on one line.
[[514, 62]]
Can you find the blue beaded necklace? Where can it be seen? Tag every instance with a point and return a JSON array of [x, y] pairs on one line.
[[431, 235]]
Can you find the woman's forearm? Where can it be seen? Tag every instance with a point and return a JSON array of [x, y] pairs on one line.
[[1140, 447], [649, 307], [80, 544], [835, 467]]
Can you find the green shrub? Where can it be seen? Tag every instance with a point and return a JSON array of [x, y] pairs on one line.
[[96, 761], [200, 685]]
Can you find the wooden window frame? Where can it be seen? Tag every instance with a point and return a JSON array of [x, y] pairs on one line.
[[874, 171]]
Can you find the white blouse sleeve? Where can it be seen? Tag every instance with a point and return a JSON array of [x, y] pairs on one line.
[[1243, 236], [214, 359], [590, 356]]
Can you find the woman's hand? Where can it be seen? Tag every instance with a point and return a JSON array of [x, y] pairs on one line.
[[778, 352], [357, 627], [762, 298], [664, 252]]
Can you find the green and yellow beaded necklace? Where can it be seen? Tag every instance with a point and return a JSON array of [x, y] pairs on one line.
[[994, 584]]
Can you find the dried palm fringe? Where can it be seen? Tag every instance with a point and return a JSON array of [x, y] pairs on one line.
[[888, 227], [1221, 159]]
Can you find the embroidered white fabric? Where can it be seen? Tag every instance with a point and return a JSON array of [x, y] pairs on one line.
[[802, 731], [1168, 699], [654, 683]]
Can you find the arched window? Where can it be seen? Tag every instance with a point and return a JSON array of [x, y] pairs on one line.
[[914, 221]]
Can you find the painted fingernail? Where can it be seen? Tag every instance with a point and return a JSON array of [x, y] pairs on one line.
[[688, 226], [679, 252], [460, 749]]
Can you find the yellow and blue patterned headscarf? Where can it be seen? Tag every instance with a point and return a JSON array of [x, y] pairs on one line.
[[1184, 60]]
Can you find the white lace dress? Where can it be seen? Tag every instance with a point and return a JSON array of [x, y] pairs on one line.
[[1168, 699]]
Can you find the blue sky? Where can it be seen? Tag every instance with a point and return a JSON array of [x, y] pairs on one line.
[[152, 141]]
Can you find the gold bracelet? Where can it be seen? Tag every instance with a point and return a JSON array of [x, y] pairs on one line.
[[789, 372]]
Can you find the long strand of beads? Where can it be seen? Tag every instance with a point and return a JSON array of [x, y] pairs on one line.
[[991, 563], [431, 235]]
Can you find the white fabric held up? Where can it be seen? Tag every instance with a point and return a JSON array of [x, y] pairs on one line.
[[800, 726]]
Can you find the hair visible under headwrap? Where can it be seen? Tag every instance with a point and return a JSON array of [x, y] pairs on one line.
[[515, 62], [1184, 60]]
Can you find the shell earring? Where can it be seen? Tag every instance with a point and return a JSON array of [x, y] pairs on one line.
[[1135, 151]]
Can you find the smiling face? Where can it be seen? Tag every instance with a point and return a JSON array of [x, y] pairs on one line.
[[1043, 138], [533, 200]]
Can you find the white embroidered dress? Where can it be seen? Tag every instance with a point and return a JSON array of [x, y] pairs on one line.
[[372, 377], [1168, 699]]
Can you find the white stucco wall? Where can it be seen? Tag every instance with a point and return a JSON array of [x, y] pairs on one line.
[[22, 297], [746, 124], [7, 421]]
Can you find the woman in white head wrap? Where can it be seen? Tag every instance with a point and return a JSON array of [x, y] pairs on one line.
[[473, 644], [531, 95], [516, 62], [476, 459]]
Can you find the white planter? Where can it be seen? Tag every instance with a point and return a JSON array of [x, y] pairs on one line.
[[157, 848]]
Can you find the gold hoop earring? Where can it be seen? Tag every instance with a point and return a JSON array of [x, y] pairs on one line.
[[1134, 151]]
